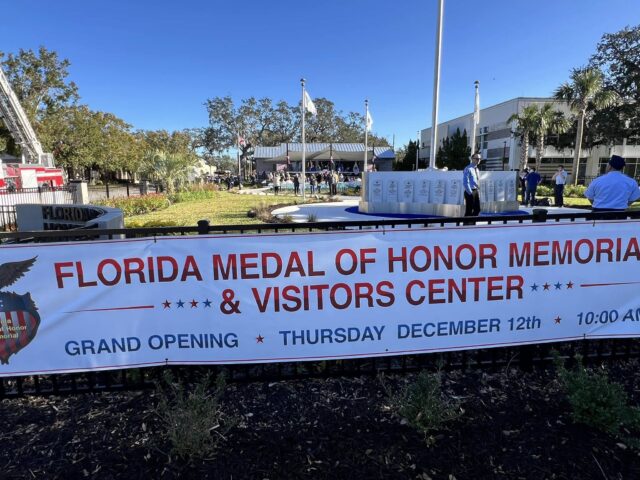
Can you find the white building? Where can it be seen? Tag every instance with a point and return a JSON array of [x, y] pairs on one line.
[[497, 143]]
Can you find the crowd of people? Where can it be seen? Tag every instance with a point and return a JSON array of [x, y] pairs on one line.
[[613, 191], [319, 182]]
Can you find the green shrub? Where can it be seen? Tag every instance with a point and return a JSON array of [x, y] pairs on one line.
[[194, 421], [544, 191], [576, 191], [138, 205], [595, 400], [424, 405], [150, 223]]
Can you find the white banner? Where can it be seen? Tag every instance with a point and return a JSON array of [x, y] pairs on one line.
[[308, 296]]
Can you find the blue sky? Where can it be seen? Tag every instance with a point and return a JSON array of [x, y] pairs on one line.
[[154, 63]]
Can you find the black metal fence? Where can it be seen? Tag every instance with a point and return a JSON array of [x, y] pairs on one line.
[[524, 356], [120, 190]]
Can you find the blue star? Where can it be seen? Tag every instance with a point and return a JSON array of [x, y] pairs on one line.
[[207, 303], [558, 285], [534, 288], [180, 304]]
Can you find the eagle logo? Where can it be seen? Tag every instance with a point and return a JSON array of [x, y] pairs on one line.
[[19, 318]]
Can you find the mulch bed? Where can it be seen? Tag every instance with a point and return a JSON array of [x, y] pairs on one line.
[[515, 425]]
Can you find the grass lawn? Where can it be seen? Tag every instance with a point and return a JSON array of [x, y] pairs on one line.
[[224, 208]]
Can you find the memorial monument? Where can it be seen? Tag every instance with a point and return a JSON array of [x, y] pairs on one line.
[[435, 192]]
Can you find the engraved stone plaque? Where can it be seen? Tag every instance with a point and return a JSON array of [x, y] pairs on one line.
[[406, 195], [392, 191], [454, 192], [439, 191], [376, 191], [423, 190]]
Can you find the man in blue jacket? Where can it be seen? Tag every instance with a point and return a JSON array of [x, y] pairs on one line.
[[533, 179]]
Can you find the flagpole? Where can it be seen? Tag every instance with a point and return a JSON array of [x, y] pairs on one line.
[[418, 151], [366, 134], [436, 89], [238, 150], [304, 153], [476, 118]]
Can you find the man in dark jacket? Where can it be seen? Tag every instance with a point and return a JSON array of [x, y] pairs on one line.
[[533, 179]]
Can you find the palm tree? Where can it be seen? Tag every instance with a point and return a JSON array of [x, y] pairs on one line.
[[547, 121], [525, 129], [171, 169], [584, 93]]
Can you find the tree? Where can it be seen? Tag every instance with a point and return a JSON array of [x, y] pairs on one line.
[[82, 139], [547, 121], [525, 126], [585, 93], [454, 152], [39, 80], [170, 169], [408, 160], [618, 57], [259, 122]]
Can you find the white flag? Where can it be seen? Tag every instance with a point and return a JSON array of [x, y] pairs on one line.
[[308, 104], [476, 109], [369, 121]]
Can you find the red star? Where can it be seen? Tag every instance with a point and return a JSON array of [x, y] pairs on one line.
[[557, 319], [570, 284], [259, 339], [193, 303], [166, 304], [546, 286]]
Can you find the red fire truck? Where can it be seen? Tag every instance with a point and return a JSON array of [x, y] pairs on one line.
[[18, 175], [37, 168]]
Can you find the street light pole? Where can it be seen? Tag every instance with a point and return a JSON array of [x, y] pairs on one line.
[[418, 151]]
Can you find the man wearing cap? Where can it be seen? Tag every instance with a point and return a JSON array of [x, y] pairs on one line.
[[471, 183], [613, 191]]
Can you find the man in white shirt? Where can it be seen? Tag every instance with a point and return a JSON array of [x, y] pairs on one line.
[[471, 184], [613, 191], [560, 178]]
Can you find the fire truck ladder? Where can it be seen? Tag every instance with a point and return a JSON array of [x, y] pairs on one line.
[[19, 126]]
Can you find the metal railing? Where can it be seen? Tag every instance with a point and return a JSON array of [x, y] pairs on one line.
[[49, 195], [524, 356], [119, 190]]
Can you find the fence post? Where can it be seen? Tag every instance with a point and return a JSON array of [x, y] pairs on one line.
[[127, 189], [107, 185], [80, 192], [539, 215], [203, 227]]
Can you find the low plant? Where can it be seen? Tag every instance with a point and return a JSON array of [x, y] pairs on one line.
[[597, 401], [193, 418], [312, 217], [574, 191], [544, 191], [424, 405], [198, 192], [150, 223], [137, 205]]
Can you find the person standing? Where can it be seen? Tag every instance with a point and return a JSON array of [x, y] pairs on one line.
[[471, 184], [312, 184], [276, 183], [533, 180], [560, 178], [523, 184], [613, 191], [296, 184]]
